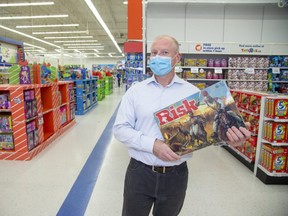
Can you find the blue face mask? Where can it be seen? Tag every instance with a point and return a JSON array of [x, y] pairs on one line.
[[160, 65]]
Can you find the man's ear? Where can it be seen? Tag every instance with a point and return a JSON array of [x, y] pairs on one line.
[[178, 57]]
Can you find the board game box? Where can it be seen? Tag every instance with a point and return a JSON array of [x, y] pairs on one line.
[[199, 120]]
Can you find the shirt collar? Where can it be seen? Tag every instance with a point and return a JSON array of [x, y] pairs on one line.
[[176, 79]]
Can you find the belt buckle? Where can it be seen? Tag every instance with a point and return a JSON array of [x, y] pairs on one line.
[[163, 170]]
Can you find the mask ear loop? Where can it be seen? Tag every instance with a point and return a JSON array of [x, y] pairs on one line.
[[172, 59]]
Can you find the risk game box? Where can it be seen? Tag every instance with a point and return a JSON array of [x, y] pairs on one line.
[[199, 120]]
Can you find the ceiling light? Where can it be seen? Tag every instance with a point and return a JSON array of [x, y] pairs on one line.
[[29, 36], [91, 47], [31, 45], [96, 44], [68, 37], [100, 20], [82, 49], [96, 50], [47, 26], [125, 2], [26, 4], [62, 32], [76, 41], [34, 17]]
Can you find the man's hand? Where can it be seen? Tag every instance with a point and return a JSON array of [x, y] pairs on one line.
[[237, 137], [162, 151]]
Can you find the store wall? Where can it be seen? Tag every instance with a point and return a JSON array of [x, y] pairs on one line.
[[246, 23]]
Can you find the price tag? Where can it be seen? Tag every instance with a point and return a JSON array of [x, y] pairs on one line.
[[276, 70], [178, 69], [249, 70], [194, 69], [218, 70]]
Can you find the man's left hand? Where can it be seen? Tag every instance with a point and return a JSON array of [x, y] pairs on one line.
[[237, 137]]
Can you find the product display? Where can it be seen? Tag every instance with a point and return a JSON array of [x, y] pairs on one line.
[[86, 95], [26, 132], [265, 152]]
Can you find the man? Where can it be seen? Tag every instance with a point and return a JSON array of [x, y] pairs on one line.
[[118, 78], [156, 175]]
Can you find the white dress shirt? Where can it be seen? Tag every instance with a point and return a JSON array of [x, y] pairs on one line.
[[135, 125]]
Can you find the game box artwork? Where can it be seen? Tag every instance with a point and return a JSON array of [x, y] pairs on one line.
[[199, 120]]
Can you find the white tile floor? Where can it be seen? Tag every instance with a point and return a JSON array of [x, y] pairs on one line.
[[219, 184]]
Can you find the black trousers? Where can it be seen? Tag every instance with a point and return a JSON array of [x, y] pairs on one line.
[[119, 81], [144, 188]]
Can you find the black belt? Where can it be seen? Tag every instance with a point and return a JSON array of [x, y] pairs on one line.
[[159, 169]]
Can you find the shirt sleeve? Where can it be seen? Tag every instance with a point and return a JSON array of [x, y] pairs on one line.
[[124, 127]]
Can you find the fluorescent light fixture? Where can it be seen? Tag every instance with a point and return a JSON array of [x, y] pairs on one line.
[[96, 44], [47, 26], [29, 36], [76, 41], [126, 2], [75, 37], [62, 32], [76, 47], [96, 50], [31, 45], [81, 49], [111, 54], [34, 17], [96, 55], [26, 4], [100, 20]]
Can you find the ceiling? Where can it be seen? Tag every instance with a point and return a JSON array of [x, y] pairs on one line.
[[113, 12]]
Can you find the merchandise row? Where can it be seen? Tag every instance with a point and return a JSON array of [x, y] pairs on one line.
[[266, 150], [48, 112]]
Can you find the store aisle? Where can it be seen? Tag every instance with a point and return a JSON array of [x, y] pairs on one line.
[[219, 184], [39, 187]]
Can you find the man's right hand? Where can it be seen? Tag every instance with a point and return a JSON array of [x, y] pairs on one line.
[[162, 151]]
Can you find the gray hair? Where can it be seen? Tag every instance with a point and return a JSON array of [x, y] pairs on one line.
[[175, 42]]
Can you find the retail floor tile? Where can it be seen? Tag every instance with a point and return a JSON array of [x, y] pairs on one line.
[[219, 185]]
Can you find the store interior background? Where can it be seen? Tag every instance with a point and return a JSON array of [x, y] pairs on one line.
[[230, 21]]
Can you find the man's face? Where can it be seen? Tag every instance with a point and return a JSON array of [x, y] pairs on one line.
[[165, 47]]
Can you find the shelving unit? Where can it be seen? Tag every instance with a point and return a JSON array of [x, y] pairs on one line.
[[86, 95], [277, 173], [108, 85], [45, 123], [100, 89], [253, 109]]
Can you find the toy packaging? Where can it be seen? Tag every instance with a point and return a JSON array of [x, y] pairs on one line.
[[250, 147], [30, 140], [274, 158], [24, 75], [4, 101], [5, 123], [36, 137], [6, 142], [29, 95], [199, 120], [276, 108]]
